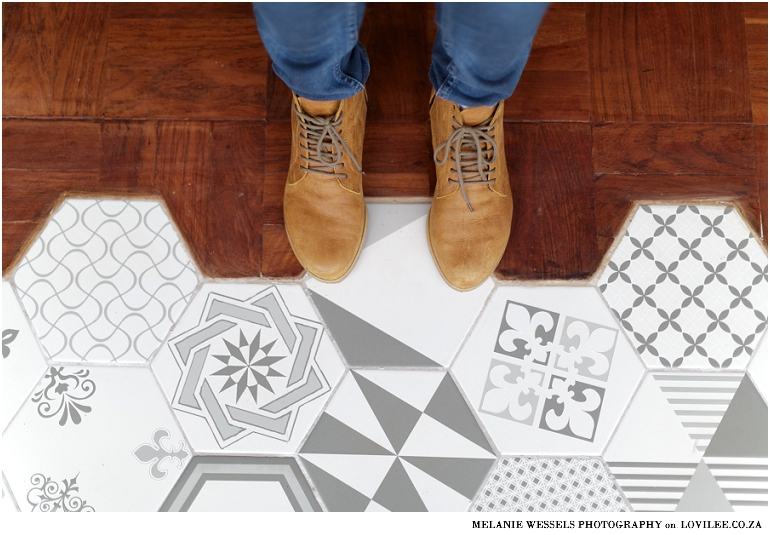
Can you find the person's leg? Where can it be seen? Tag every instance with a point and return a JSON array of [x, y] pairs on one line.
[[315, 50], [481, 49], [478, 57], [314, 47]]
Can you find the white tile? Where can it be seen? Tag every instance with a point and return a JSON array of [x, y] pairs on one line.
[[241, 496], [118, 443], [105, 281], [23, 364], [529, 344], [200, 373], [8, 503], [405, 295], [759, 368], [429, 438], [701, 268]]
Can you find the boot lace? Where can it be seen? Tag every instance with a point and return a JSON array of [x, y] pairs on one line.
[[324, 145], [476, 151]]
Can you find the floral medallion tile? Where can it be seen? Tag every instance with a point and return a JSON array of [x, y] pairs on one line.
[[94, 439], [540, 484], [405, 297], [689, 285], [548, 370], [397, 440], [105, 281], [242, 484], [248, 368], [23, 363]]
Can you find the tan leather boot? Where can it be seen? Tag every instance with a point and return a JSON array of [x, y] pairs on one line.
[[323, 202], [470, 218]]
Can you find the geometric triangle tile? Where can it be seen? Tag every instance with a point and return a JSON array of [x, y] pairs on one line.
[[405, 297], [23, 363], [248, 368], [548, 370], [689, 286], [703, 493], [538, 484], [422, 449], [759, 368], [387, 218], [105, 281], [743, 480], [655, 486], [742, 431], [699, 400]]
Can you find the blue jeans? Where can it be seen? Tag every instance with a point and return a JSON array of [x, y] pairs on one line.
[[478, 56]]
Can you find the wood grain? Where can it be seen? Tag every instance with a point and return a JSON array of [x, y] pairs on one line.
[[278, 260], [555, 83], [128, 154], [756, 48], [189, 69], [659, 148], [182, 10], [553, 233], [55, 145], [760, 140], [668, 62]]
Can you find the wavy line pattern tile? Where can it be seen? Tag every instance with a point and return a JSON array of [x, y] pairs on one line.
[[105, 281], [689, 285]]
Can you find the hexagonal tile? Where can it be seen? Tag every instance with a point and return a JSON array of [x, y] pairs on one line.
[[105, 280], [8, 503], [548, 370], [538, 484], [379, 314], [692, 442], [759, 368], [94, 438], [242, 484], [23, 364], [397, 440], [689, 284], [248, 368]]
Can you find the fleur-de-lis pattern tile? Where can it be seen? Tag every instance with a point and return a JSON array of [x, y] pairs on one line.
[[131, 385], [105, 280], [689, 285]]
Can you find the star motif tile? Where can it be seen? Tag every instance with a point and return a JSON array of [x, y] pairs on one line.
[[689, 285], [105, 281], [245, 364]]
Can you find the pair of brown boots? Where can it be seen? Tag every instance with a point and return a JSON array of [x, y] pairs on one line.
[[324, 210]]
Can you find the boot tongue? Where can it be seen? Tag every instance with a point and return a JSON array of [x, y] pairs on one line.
[[476, 116], [319, 108]]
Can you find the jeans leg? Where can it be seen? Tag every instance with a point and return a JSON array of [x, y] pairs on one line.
[[481, 49], [315, 47]]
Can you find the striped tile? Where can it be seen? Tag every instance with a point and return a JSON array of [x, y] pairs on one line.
[[652, 486], [742, 479]]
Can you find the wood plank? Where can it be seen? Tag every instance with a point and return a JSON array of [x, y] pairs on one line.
[[81, 43], [616, 194], [396, 160], [756, 47], [553, 232], [616, 92], [29, 45], [760, 140], [721, 70], [234, 204], [654, 148], [277, 98], [755, 10], [394, 34], [182, 10], [128, 154], [55, 145], [278, 260], [555, 84], [191, 69], [31, 194], [181, 169], [17, 237], [550, 96]]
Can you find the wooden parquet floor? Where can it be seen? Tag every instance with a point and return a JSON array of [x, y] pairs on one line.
[[619, 103]]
